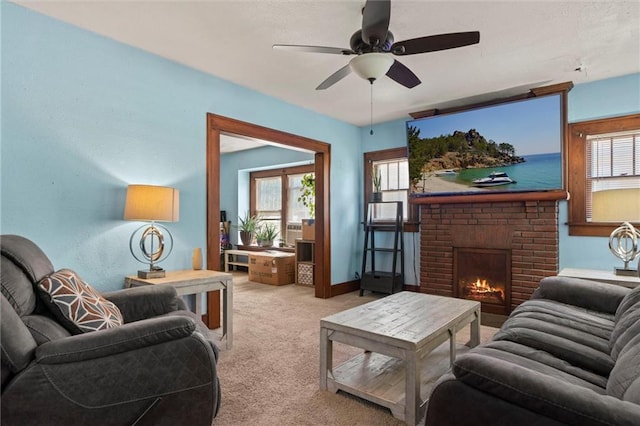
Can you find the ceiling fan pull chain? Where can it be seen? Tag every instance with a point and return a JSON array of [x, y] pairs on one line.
[[371, 125]]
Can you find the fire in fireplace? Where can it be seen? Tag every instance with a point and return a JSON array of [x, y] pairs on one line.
[[483, 275], [482, 291]]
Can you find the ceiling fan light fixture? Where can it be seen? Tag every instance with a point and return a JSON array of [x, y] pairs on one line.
[[371, 66]]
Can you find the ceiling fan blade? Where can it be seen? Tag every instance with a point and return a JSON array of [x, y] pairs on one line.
[[403, 75], [375, 21], [314, 49], [335, 77], [435, 42]]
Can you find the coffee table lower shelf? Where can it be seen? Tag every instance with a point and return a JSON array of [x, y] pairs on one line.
[[411, 329], [381, 379]]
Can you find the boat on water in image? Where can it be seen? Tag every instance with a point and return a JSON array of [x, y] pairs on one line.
[[494, 179], [447, 172]]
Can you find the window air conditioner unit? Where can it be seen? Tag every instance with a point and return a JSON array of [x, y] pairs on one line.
[[294, 231]]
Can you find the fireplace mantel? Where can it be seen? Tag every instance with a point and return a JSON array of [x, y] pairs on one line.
[[491, 198]]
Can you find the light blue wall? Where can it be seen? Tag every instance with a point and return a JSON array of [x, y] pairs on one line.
[[589, 101], [599, 99], [605, 98], [83, 116]]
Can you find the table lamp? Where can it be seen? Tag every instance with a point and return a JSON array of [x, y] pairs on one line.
[[153, 204]]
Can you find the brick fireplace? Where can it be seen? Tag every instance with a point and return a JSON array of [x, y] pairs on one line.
[[525, 231]]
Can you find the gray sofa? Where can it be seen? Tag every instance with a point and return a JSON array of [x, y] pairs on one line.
[[158, 368], [570, 355]]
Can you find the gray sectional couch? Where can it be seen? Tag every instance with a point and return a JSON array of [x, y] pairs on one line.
[[570, 355]]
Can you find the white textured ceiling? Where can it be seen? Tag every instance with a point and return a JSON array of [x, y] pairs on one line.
[[522, 45]]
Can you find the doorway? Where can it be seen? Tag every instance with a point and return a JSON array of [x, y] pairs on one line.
[[216, 125]]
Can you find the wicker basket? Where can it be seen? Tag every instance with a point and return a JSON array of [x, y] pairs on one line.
[[305, 274]]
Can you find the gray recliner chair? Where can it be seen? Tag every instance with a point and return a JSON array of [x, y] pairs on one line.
[[158, 368]]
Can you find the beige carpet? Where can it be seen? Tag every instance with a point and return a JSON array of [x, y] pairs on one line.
[[271, 376]]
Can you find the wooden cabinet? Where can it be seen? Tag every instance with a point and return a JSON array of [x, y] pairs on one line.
[[305, 266]]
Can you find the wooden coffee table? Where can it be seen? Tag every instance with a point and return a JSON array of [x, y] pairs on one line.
[[397, 333]]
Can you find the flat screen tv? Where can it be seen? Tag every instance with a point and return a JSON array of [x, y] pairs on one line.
[[509, 147]]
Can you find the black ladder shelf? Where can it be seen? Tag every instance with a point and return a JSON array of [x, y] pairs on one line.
[[383, 281]]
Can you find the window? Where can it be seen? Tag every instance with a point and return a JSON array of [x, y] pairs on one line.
[[392, 164], [296, 211], [604, 174], [268, 205], [394, 182], [276, 191], [613, 168]]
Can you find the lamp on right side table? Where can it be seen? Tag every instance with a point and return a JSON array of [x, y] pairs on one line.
[[623, 243]]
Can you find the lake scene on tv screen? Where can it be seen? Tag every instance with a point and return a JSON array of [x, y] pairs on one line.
[[511, 147]]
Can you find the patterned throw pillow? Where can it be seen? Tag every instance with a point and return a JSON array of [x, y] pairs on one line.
[[76, 304]]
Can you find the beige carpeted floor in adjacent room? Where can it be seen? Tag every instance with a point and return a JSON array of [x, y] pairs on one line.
[[271, 376]]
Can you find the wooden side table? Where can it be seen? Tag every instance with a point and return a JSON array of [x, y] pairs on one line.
[[197, 282], [602, 276], [231, 258]]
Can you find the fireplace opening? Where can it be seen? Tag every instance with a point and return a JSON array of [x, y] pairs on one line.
[[483, 275]]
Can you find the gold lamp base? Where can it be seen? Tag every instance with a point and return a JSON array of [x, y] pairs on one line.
[[156, 273], [625, 272], [623, 243]]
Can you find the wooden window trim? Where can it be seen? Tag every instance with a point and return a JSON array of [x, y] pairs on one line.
[[577, 171], [282, 172], [412, 224]]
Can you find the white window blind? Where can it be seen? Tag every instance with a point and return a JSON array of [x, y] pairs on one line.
[[394, 185], [613, 162], [269, 200]]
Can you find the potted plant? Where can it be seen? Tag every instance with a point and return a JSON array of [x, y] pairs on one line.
[[247, 225], [266, 234], [376, 196], [308, 199]]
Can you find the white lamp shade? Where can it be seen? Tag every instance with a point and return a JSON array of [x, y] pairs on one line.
[[616, 205], [152, 203], [371, 65]]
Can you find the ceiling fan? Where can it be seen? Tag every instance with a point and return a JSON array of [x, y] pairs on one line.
[[373, 43]]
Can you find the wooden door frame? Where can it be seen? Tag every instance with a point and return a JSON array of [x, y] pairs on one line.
[[217, 124]]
